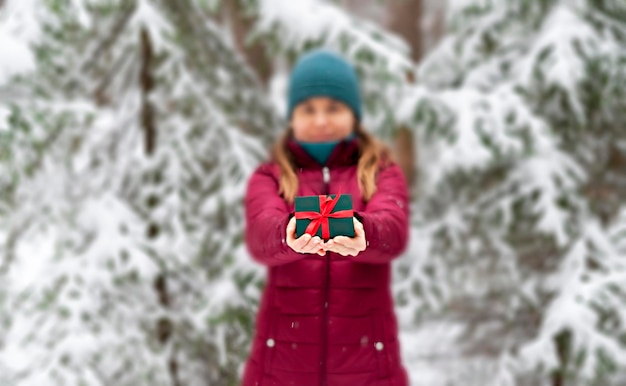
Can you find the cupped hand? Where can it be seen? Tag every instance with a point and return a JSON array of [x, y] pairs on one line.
[[348, 246], [304, 243]]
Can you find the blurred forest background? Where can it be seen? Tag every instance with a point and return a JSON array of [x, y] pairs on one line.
[[128, 129]]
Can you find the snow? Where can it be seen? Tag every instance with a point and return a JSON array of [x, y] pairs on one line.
[[82, 15], [5, 113], [15, 57], [548, 173], [18, 30], [147, 16], [456, 6], [16, 33], [430, 350], [328, 22], [563, 66], [278, 92]]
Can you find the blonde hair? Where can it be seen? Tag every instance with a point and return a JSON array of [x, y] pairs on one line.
[[372, 153]]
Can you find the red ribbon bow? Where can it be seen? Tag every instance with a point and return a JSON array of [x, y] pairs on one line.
[[327, 204]]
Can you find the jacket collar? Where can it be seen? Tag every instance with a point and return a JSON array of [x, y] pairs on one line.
[[346, 153]]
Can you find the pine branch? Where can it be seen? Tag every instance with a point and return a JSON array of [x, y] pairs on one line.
[[116, 29], [208, 51]]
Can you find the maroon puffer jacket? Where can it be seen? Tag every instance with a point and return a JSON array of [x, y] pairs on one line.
[[326, 320]]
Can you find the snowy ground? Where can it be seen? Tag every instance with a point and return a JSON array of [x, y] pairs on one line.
[[431, 358], [423, 350]]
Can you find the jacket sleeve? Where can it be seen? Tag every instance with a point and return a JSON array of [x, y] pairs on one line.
[[386, 218], [267, 215]]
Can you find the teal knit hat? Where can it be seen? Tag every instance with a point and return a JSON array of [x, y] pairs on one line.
[[324, 73]]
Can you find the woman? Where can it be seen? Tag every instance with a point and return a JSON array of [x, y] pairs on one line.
[[326, 314]]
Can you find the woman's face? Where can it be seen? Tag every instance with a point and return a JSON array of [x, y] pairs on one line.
[[321, 119]]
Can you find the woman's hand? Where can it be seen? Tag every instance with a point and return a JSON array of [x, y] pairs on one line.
[[304, 243], [348, 246]]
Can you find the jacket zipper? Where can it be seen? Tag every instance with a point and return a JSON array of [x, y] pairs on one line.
[[326, 177]]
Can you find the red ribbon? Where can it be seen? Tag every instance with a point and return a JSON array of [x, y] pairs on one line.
[[327, 204]]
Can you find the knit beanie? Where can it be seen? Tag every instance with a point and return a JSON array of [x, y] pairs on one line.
[[324, 73]]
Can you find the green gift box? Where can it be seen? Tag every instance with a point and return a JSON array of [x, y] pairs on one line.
[[324, 216]]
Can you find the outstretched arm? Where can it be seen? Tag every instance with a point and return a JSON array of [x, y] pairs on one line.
[[382, 230], [269, 231]]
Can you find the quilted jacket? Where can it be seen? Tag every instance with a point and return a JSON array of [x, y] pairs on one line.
[[326, 320]]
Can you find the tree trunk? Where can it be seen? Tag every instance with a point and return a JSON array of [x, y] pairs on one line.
[[164, 327], [147, 84], [255, 53], [405, 19], [563, 349]]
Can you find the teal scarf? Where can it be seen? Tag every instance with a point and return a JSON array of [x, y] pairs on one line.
[[320, 151]]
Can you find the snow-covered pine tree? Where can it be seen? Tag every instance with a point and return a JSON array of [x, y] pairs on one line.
[[125, 165], [520, 222]]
